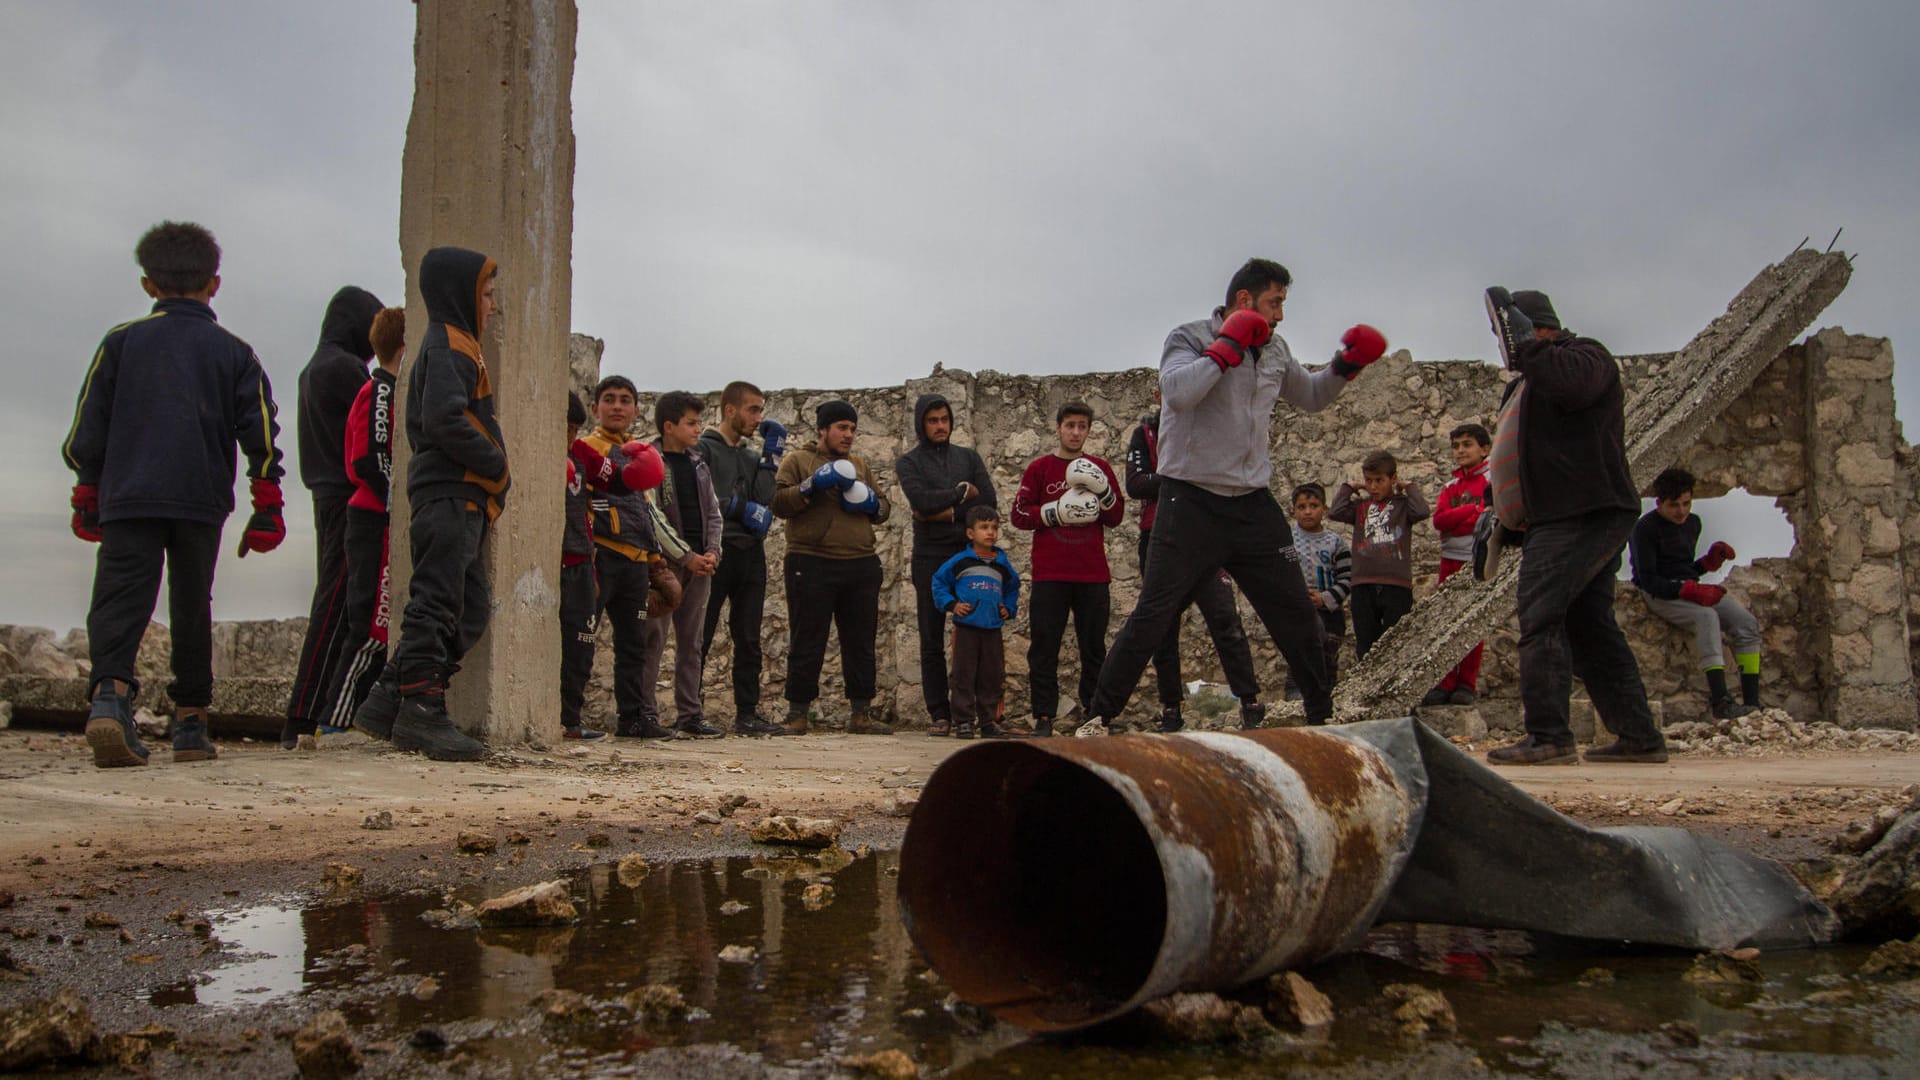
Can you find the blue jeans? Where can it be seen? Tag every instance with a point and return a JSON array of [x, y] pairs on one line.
[[1567, 572]]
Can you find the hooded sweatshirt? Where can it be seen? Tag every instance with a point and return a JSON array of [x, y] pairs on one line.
[[369, 446], [328, 385], [182, 390], [930, 476], [458, 451], [738, 479], [1143, 463], [1215, 426]]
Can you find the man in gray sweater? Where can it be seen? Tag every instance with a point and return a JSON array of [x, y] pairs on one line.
[[1219, 381]]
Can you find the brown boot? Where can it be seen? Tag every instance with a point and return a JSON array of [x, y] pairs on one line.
[[797, 715], [865, 722]]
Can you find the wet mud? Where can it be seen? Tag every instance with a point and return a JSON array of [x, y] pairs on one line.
[[799, 965]]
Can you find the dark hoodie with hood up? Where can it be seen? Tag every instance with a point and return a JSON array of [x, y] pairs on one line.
[[930, 476], [328, 385], [458, 451]]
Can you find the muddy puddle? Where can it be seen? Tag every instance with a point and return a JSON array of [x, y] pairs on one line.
[[817, 969]]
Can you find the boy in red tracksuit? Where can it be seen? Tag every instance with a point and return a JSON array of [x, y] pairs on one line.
[[1455, 513], [163, 405], [369, 458], [1068, 499]]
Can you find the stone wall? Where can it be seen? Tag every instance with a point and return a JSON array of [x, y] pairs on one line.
[[1839, 631]]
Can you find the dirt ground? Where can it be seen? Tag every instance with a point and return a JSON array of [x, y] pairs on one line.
[[60, 818]]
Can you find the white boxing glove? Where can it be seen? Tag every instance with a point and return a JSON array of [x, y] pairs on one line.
[[1084, 475], [860, 499], [1073, 508]]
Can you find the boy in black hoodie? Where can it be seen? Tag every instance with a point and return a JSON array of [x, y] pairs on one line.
[[328, 386], [457, 483], [155, 484], [942, 482]]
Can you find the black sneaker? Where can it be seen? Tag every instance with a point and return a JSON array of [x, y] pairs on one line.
[[755, 725], [291, 730], [1728, 709], [1435, 696], [693, 727], [110, 731], [1043, 727], [375, 715], [1171, 720], [964, 730], [582, 733], [423, 725], [645, 727], [1252, 715], [1621, 751], [1462, 696], [1529, 752]]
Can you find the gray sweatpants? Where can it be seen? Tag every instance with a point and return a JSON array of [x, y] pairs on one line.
[[1709, 623], [689, 622]]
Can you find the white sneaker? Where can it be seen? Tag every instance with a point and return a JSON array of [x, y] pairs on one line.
[[1091, 729]]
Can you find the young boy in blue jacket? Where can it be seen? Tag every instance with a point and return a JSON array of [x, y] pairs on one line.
[[981, 590], [165, 400]]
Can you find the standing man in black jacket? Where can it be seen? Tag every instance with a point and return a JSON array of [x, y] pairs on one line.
[[743, 482], [328, 386], [941, 482], [1559, 471]]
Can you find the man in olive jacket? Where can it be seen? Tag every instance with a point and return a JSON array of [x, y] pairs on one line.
[[828, 498]]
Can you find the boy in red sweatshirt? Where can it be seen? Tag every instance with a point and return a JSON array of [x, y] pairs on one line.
[[1068, 499], [1455, 513]]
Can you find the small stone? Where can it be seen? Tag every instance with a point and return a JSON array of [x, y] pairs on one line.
[[472, 842], [44, 1031], [887, 1064], [1737, 967], [657, 1001], [559, 1006], [800, 832], [517, 837], [708, 817], [901, 805], [123, 1051], [100, 920], [632, 870], [1672, 807], [739, 954], [1420, 1009], [426, 988], [1203, 1018], [545, 904], [378, 822], [1681, 1034], [6, 898], [1292, 997], [816, 896], [341, 875], [324, 1047], [732, 907], [1899, 958]]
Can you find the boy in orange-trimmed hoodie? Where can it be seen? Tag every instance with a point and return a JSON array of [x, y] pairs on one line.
[[457, 484], [1455, 513]]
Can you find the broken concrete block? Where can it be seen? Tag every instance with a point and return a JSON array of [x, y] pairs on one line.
[[799, 832], [1290, 996], [545, 904], [324, 1048]]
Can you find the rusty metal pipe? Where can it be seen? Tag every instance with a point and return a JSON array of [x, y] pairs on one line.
[[1062, 882]]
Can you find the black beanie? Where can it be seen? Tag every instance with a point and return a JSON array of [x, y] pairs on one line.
[[1535, 306], [832, 412]]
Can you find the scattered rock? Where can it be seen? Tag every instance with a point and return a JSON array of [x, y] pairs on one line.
[[44, 1031], [708, 817], [100, 920], [732, 907], [121, 1051], [471, 842], [1899, 958], [632, 870], [800, 832], [324, 1047], [426, 988], [1291, 997], [1421, 1009], [149, 726], [1878, 894], [739, 954], [887, 1064], [1729, 967], [816, 896], [658, 1001], [1672, 807], [517, 837], [6, 898], [599, 840], [378, 822], [1681, 1034], [1204, 1018], [901, 805], [339, 875], [545, 904], [559, 1006]]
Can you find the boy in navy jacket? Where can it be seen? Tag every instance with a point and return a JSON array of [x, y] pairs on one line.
[[981, 590], [152, 449], [457, 484]]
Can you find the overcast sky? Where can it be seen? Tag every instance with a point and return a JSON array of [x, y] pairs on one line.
[[838, 194]]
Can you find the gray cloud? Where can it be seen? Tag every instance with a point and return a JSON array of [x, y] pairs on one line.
[[843, 194]]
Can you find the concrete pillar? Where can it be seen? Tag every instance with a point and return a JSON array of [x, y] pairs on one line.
[[489, 166], [1858, 615]]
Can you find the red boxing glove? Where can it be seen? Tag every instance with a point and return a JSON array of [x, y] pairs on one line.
[[86, 513], [1242, 330], [593, 469], [645, 470], [1716, 556], [1704, 595], [1361, 346], [266, 528]]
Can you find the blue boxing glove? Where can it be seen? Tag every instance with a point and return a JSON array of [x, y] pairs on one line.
[[757, 518], [773, 443], [860, 499], [833, 476]]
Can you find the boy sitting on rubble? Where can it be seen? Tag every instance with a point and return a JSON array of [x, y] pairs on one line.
[[1664, 569]]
